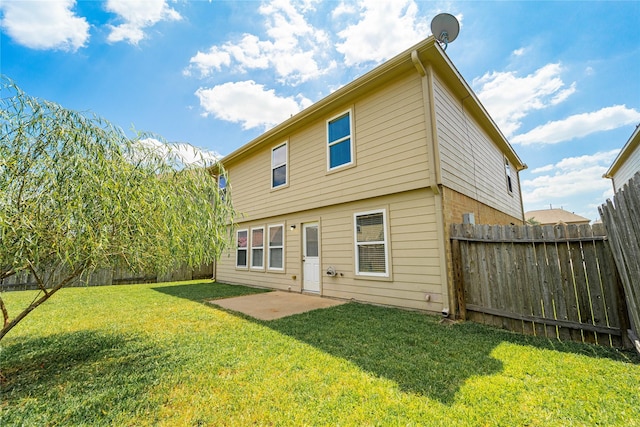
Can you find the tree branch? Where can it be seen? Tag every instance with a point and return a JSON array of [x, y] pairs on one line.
[[8, 325], [41, 284], [5, 313], [7, 273]]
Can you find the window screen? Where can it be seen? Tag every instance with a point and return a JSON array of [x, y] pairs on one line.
[[241, 248], [371, 243], [276, 247], [257, 248]]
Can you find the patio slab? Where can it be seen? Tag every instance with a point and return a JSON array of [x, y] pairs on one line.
[[276, 304]]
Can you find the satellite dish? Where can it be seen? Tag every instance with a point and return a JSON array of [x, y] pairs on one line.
[[445, 28]]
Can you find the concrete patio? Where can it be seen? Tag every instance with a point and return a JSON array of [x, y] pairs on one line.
[[275, 305]]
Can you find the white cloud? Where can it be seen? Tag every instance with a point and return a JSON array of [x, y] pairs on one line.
[[294, 48], [137, 16], [572, 176], [343, 9], [249, 103], [385, 28], [541, 169], [579, 125], [44, 24], [519, 52], [509, 98], [181, 153]]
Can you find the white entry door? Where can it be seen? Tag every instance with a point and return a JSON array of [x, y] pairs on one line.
[[310, 258]]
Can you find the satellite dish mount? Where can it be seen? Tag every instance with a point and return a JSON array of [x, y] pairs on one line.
[[445, 28]]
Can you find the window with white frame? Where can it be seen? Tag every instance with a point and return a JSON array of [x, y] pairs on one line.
[[279, 166], [340, 141], [507, 171], [257, 247], [242, 238], [222, 186], [276, 247], [371, 243]]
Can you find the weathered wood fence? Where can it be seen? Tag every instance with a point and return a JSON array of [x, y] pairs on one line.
[[622, 220], [108, 276], [554, 281]]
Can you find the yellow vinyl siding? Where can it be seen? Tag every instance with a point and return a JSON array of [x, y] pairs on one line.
[[390, 156], [414, 263], [470, 162]]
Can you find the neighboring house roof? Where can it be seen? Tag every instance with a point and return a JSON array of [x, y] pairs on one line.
[[426, 52], [555, 216], [632, 144]]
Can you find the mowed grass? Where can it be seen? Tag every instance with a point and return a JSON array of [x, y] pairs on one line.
[[156, 355]]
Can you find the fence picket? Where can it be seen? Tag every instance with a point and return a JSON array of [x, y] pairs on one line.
[[622, 222], [589, 289], [104, 277], [558, 282]]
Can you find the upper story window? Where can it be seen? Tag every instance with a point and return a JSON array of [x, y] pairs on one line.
[[279, 166], [507, 171], [242, 239], [222, 186], [340, 141], [371, 244]]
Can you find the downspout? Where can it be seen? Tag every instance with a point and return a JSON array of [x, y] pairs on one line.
[[435, 177], [434, 170], [524, 220]]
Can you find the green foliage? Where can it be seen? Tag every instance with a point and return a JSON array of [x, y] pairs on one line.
[[78, 194], [532, 221], [156, 354]]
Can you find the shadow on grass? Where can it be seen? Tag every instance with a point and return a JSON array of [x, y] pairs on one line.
[[413, 349], [201, 292], [68, 379]]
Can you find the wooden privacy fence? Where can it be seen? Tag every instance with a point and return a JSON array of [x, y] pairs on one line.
[[110, 276], [554, 281], [622, 220]]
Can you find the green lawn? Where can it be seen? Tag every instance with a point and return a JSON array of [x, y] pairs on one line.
[[154, 354]]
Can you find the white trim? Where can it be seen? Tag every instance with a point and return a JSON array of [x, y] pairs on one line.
[[245, 249], [350, 137], [508, 175], [385, 242], [269, 247], [252, 247], [284, 144]]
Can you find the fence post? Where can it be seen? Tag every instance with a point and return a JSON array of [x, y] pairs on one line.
[[623, 228]]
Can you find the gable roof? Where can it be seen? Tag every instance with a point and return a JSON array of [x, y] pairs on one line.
[[555, 216], [625, 152], [427, 51]]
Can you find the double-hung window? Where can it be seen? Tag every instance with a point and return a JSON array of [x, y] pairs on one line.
[[222, 186], [276, 247], [257, 248], [340, 141], [507, 171], [279, 166], [242, 237], [371, 244]]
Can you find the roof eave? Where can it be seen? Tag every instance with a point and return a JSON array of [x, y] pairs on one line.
[[428, 50], [625, 152]]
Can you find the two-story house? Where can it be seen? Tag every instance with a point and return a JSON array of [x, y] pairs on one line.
[[353, 197], [627, 163]]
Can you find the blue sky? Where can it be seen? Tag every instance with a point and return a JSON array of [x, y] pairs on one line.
[[561, 79]]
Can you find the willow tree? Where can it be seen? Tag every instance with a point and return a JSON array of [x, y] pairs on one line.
[[77, 194]]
